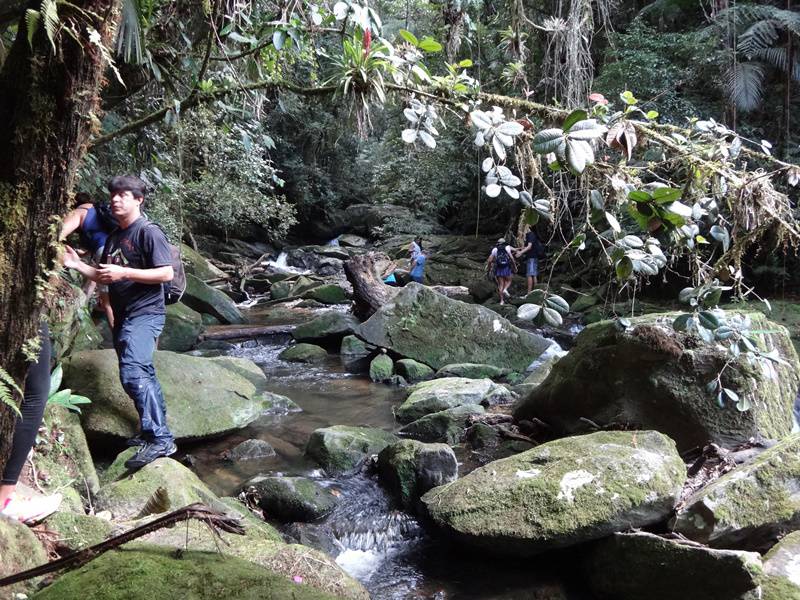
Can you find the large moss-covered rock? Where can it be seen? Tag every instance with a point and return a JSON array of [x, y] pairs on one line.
[[306, 353], [126, 497], [650, 376], [783, 561], [181, 328], [562, 493], [411, 370], [63, 453], [291, 498], [472, 371], [436, 330], [205, 397], [352, 347], [410, 468], [76, 531], [198, 265], [341, 448], [440, 394], [381, 368], [207, 300], [633, 566], [144, 572], [329, 293], [750, 506], [20, 550], [444, 426], [328, 327]]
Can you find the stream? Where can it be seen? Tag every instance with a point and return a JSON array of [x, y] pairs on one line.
[[386, 549]]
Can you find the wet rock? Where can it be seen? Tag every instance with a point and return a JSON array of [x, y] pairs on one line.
[[650, 376], [327, 328], [437, 331], [412, 370], [440, 394], [205, 397], [481, 435], [410, 468], [306, 353], [281, 290], [304, 284], [750, 506], [199, 266], [352, 347], [472, 371], [181, 328], [146, 571], [291, 498], [783, 560], [381, 368], [76, 531], [314, 535], [444, 426], [482, 289], [355, 241], [584, 302], [632, 566], [20, 551], [329, 293], [250, 450], [340, 449], [63, 456], [562, 493], [126, 497], [205, 299]]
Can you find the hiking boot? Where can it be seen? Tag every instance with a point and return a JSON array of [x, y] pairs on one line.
[[149, 452], [136, 440], [30, 509]]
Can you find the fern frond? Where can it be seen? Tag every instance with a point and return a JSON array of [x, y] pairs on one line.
[[49, 11], [129, 34], [7, 387], [745, 82], [158, 503], [32, 18], [779, 58], [760, 35]]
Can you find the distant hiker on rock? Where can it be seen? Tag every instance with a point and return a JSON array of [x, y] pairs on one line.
[[414, 248], [417, 272], [94, 222], [531, 253], [501, 260], [136, 262]]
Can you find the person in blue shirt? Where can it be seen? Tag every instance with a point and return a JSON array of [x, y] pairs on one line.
[[418, 266]]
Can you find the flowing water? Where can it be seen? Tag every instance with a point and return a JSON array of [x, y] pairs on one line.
[[385, 548]]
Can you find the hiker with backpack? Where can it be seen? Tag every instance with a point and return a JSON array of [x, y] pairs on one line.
[[137, 262], [501, 260], [531, 253], [94, 222]]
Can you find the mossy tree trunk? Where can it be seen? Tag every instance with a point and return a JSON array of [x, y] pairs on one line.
[[48, 104]]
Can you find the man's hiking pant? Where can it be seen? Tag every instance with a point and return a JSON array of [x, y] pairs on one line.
[[135, 341]]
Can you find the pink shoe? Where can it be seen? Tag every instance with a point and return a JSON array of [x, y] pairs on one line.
[[31, 509]]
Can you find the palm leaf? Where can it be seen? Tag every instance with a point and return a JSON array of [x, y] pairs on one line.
[[129, 34], [159, 502], [745, 84], [778, 58], [760, 35]]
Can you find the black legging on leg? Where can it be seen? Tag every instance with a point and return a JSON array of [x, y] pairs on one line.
[[37, 388]]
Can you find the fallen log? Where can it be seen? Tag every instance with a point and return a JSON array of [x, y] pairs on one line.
[[369, 292], [224, 332]]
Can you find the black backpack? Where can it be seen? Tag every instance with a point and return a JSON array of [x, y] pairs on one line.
[[173, 289], [502, 259]]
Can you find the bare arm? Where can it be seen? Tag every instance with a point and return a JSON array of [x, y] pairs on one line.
[[73, 261], [522, 251], [73, 220], [112, 273]]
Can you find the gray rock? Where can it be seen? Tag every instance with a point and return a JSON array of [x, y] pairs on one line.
[[355, 241], [355, 348], [410, 468], [381, 368], [305, 353], [250, 450], [207, 300], [783, 559], [472, 371], [292, 498], [562, 493], [437, 331], [199, 266], [181, 328], [440, 394], [412, 370], [444, 426], [329, 327], [341, 449]]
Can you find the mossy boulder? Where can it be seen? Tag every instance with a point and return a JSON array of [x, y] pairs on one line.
[[63, 453], [783, 561], [562, 493], [303, 284], [651, 377], [750, 506], [305, 353], [126, 497], [20, 550], [198, 265], [181, 328], [281, 290], [207, 300], [438, 331], [472, 371], [381, 368], [409, 468], [341, 448], [440, 394], [444, 426], [352, 347], [206, 397], [76, 531], [329, 293], [633, 566], [249, 450], [329, 327], [291, 498], [144, 572], [411, 370]]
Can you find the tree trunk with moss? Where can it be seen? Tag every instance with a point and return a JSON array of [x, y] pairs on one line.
[[48, 107]]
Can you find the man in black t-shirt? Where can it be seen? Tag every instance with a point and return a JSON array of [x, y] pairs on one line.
[[135, 264], [531, 252]]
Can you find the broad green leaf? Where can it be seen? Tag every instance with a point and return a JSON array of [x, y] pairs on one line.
[[465, 64], [557, 303], [576, 157], [612, 221], [665, 195], [681, 321], [624, 268], [427, 139], [510, 128], [628, 98], [55, 379], [428, 44], [588, 129], [743, 405], [409, 37], [278, 38], [721, 234], [639, 196], [708, 320], [531, 216], [547, 140], [652, 114], [493, 190], [574, 117], [552, 317], [528, 312]]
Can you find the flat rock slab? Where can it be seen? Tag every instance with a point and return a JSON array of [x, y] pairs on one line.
[[206, 397], [448, 392], [340, 449], [437, 330], [562, 493]]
